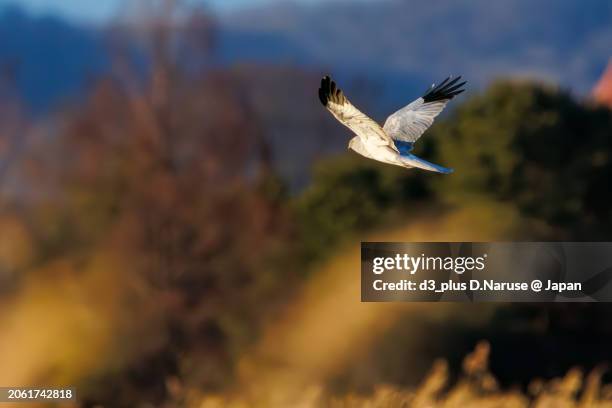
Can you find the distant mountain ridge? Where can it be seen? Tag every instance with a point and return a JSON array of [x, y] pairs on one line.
[[47, 59], [399, 45], [565, 40]]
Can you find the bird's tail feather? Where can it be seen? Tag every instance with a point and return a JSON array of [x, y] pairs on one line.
[[414, 161]]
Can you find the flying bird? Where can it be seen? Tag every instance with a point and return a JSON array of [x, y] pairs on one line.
[[393, 142]]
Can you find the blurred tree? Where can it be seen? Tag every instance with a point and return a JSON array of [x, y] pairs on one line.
[[534, 146], [15, 242], [172, 170], [350, 194]]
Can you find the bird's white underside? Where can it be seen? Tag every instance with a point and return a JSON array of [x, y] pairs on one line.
[[376, 142]]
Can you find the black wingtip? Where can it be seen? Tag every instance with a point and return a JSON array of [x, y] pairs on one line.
[[323, 94], [445, 90], [322, 97], [328, 91]]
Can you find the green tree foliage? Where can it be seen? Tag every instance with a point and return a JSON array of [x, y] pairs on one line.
[[530, 145], [535, 146], [350, 194]]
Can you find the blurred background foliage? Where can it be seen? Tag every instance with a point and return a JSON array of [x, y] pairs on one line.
[[536, 147], [164, 238]]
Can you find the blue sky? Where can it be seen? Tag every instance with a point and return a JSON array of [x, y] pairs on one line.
[[101, 10]]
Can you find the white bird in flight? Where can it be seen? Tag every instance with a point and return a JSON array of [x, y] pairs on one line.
[[393, 142]]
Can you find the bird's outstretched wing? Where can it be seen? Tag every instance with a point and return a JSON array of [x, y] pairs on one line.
[[408, 124], [334, 100]]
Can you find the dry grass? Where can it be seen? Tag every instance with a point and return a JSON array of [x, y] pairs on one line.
[[477, 387], [96, 318]]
